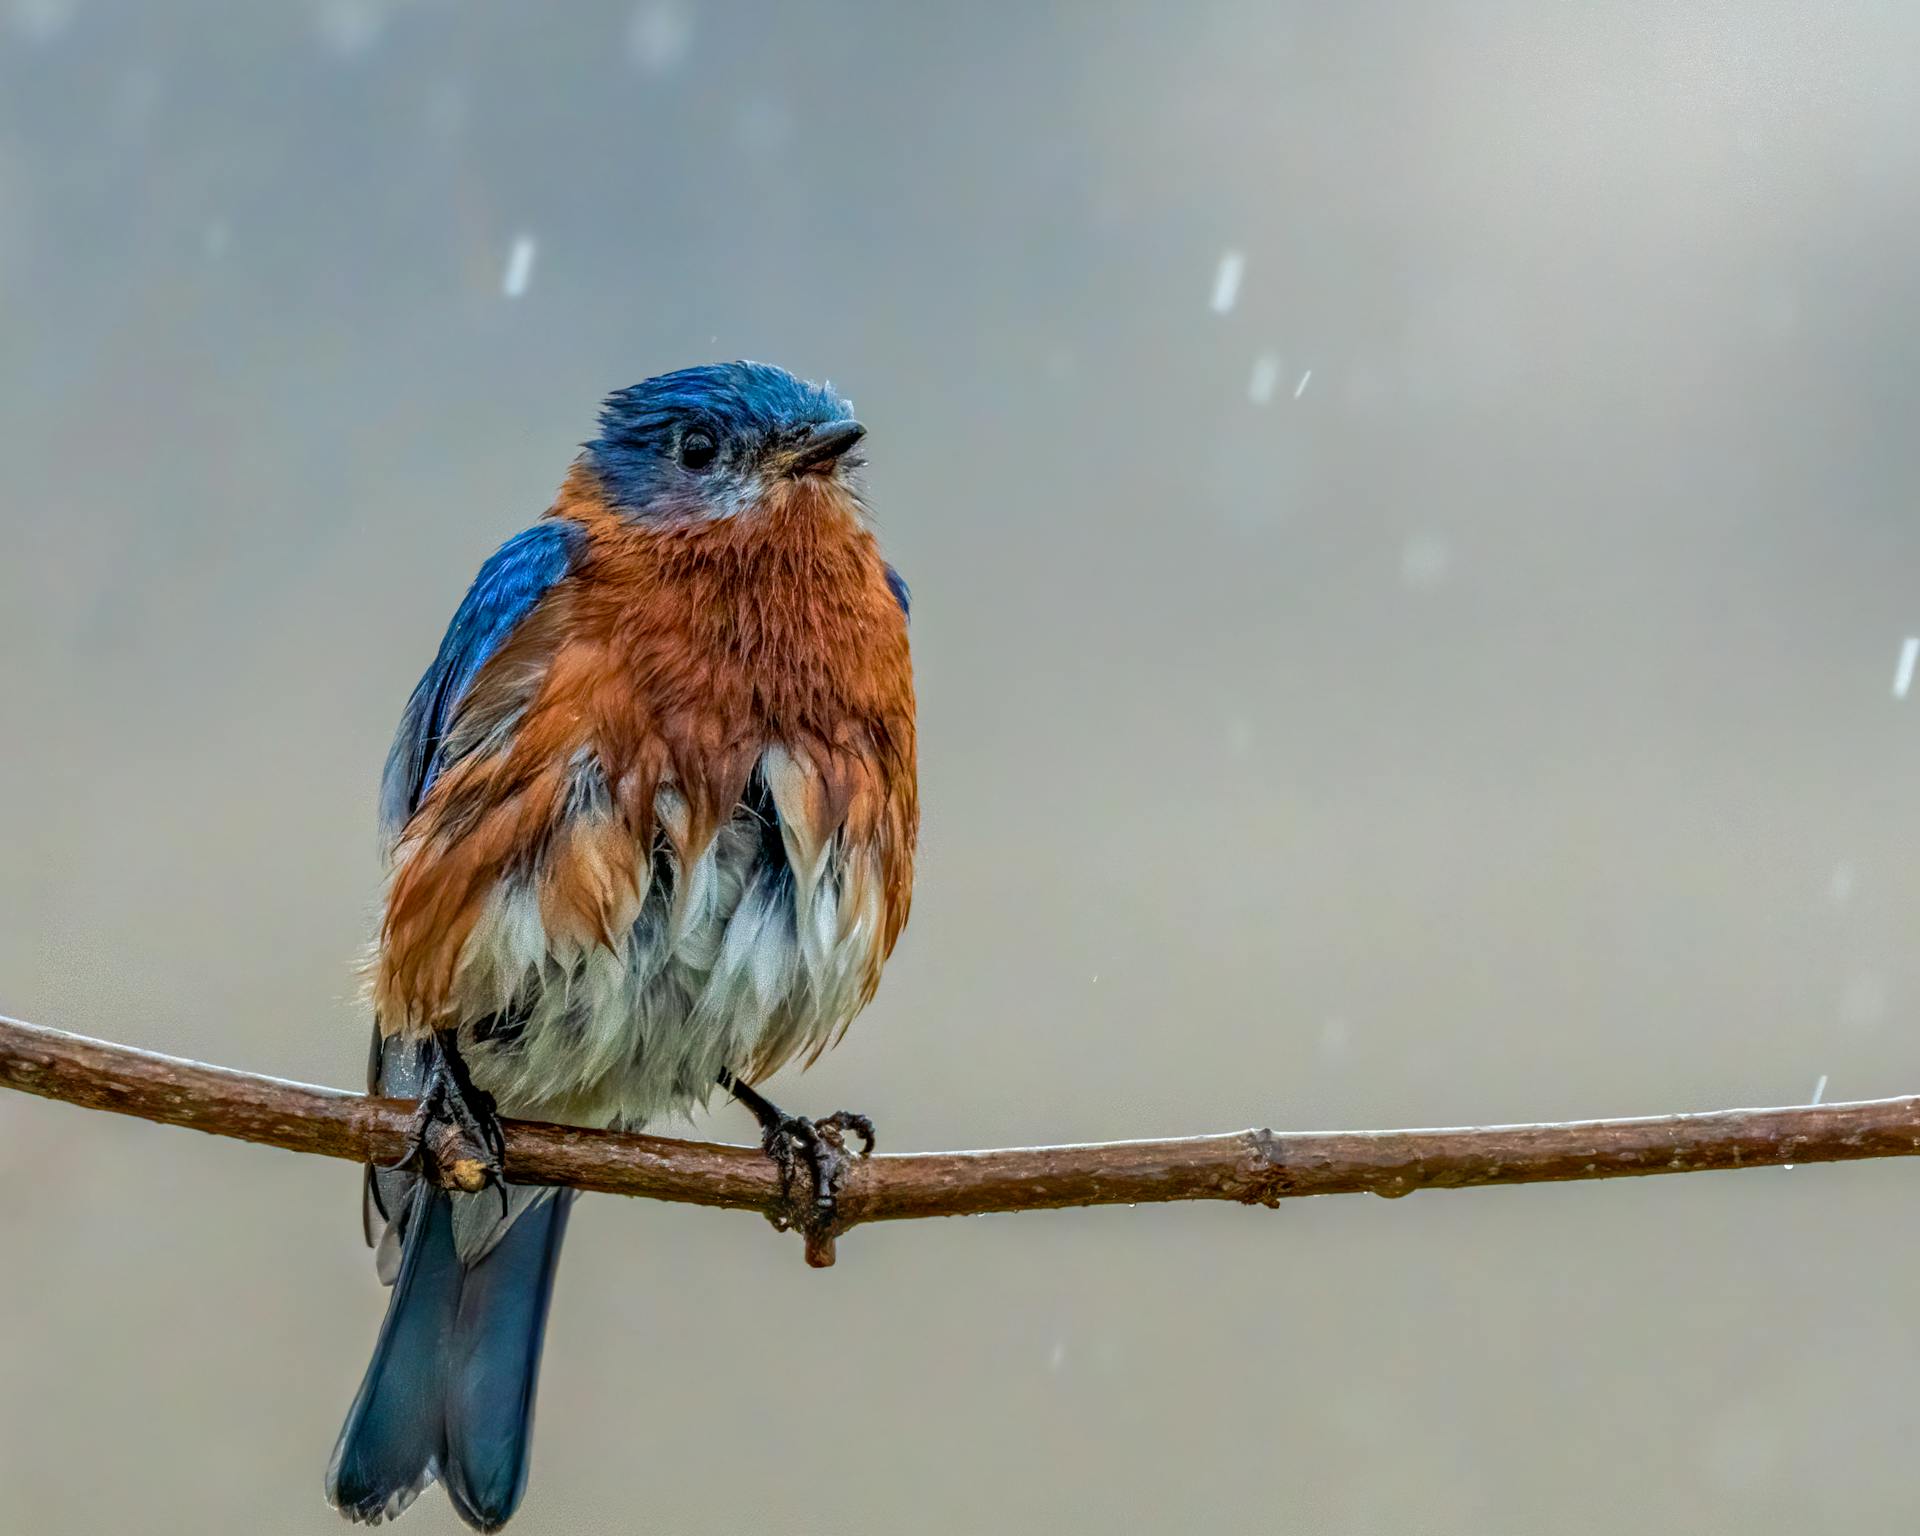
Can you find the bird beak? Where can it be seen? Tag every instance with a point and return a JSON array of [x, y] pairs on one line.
[[821, 448]]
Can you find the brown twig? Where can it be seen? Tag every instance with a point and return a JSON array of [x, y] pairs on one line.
[[1257, 1167]]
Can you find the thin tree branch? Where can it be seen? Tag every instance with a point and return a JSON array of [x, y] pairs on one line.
[[1257, 1167]]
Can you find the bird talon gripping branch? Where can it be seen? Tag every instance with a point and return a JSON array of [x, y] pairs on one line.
[[787, 1139], [455, 1141]]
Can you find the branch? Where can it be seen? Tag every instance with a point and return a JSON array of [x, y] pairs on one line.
[[1258, 1167]]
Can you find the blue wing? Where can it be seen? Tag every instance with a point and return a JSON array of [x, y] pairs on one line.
[[897, 584], [509, 585]]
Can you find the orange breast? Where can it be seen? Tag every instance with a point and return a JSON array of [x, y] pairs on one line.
[[635, 704]]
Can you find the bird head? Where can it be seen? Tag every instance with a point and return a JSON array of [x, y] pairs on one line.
[[719, 441]]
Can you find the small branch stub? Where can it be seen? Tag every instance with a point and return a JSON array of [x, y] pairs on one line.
[[1257, 1167]]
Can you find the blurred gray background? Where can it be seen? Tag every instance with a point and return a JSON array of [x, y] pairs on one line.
[[1445, 675]]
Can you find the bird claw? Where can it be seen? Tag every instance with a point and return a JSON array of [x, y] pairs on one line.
[[821, 1144], [788, 1140], [842, 1121], [455, 1140]]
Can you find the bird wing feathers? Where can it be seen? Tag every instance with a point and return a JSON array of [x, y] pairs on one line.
[[508, 588]]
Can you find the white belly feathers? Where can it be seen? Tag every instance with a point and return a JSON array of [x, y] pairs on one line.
[[766, 947]]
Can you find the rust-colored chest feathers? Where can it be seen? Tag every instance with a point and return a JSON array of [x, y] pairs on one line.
[[674, 830]]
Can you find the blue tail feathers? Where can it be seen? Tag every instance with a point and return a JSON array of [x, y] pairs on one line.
[[450, 1389]]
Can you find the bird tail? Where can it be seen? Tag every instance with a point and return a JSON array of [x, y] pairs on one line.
[[449, 1392]]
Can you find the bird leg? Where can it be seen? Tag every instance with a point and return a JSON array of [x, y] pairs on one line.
[[455, 1140], [823, 1143]]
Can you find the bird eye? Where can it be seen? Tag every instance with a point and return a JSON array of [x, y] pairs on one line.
[[698, 450]]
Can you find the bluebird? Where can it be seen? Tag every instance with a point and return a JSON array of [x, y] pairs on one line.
[[650, 818]]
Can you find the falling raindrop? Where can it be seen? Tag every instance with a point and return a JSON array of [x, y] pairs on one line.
[[660, 36], [519, 271], [1903, 673], [42, 21], [349, 27], [1226, 281], [1266, 377]]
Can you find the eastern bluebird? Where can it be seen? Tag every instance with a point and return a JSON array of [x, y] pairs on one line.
[[651, 817]]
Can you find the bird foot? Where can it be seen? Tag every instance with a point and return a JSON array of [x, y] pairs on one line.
[[821, 1145], [455, 1140]]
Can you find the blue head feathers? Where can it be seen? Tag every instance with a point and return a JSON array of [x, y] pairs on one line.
[[707, 441]]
